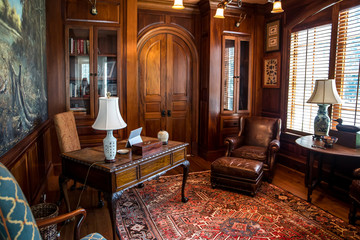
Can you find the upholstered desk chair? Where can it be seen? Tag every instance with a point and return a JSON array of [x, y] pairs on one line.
[[16, 218], [68, 137], [258, 139], [354, 194]]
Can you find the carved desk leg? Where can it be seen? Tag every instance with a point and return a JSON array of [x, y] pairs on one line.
[[63, 191], [185, 166], [310, 170], [112, 200]]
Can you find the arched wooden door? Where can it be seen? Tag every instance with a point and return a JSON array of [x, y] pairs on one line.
[[165, 85]]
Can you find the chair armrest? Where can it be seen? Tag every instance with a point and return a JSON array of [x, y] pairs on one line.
[[274, 146], [357, 173], [232, 143], [64, 217]]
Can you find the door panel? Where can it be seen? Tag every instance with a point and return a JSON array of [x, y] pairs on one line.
[[152, 77], [178, 87], [165, 70]]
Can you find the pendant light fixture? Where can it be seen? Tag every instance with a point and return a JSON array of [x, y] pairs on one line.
[[178, 4], [277, 8]]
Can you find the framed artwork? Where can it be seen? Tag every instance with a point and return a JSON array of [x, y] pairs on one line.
[[110, 69], [272, 40], [272, 71]]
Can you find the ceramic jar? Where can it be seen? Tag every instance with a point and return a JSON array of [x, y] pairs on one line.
[[163, 136]]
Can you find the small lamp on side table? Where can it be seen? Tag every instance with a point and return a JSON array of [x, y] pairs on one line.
[[109, 119], [323, 95]]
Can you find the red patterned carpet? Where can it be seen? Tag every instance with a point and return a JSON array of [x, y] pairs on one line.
[[156, 212]]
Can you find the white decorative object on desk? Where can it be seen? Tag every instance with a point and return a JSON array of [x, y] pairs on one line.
[[163, 136], [109, 119]]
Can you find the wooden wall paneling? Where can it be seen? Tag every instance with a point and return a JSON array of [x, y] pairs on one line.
[[147, 18], [107, 11], [26, 161], [20, 172], [130, 83], [204, 83]]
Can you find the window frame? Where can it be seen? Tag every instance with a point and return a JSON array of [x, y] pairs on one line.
[[310, 22]]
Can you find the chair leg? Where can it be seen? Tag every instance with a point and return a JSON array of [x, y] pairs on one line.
[[352, 213]]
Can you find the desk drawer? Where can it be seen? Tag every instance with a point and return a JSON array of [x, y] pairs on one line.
[[179, 155], [154, 165], [124, 177]]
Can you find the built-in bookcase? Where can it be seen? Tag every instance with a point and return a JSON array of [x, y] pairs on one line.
[[92, 63]]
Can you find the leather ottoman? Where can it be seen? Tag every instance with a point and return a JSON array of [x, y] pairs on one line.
[[237, 173]]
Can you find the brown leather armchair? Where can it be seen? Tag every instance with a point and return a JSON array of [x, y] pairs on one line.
[[258, 139], [354, 194]]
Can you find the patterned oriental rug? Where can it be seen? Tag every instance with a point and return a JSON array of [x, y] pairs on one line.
[[156, 212]]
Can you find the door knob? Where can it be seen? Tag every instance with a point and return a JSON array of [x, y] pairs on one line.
[[169, 113], [163, 114]]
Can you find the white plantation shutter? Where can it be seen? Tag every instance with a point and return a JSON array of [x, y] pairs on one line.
[[309, 61], [347, 67]]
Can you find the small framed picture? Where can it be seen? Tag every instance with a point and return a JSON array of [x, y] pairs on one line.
[[110, 69], [272, 70], [272, 41]]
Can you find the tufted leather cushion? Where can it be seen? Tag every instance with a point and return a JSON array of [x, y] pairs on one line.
[[259, 131], [251, 152], [93, 236], [16, 218], [66, 132], [239, 167]]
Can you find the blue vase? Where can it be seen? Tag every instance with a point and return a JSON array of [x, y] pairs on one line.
[[322, 121]]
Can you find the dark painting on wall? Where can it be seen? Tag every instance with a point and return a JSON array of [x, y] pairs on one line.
[[23, 97]]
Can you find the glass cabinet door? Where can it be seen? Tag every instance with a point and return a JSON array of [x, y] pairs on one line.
[[228, 75], [79, 82], [107, 62], [235, 74], [243, 101]]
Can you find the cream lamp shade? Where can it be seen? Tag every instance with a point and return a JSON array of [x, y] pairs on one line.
[[109, 119], [277, 8], [325, 92], [323, 95], [219, 12], [178, 4]]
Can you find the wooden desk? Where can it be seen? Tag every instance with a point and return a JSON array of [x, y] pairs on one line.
[[128, 171], [337, 150]]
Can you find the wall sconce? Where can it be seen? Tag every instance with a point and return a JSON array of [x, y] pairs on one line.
[[241, 18], [222, 6], [93, 10], [178, 4], [277, 8]]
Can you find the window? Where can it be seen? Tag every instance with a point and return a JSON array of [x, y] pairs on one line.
[[309, 61], [347, 67]]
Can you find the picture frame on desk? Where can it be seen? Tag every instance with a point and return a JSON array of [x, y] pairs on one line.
[[272, 35], [271, 72]]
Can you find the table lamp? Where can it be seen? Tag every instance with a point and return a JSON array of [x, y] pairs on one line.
[[109, 119], [323, 95]]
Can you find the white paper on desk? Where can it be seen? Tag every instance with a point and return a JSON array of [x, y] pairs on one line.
[[134, 137]]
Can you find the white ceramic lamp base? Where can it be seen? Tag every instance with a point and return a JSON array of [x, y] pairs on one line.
[[110, 147]]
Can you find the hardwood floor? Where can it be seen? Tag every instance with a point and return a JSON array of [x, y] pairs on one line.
[[98, 220]]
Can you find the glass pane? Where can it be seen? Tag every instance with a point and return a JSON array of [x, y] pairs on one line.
[[79, 91], [244, 76], [106, 68], [229, 68]]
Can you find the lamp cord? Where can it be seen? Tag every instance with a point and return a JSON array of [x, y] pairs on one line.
[[87, 175]]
